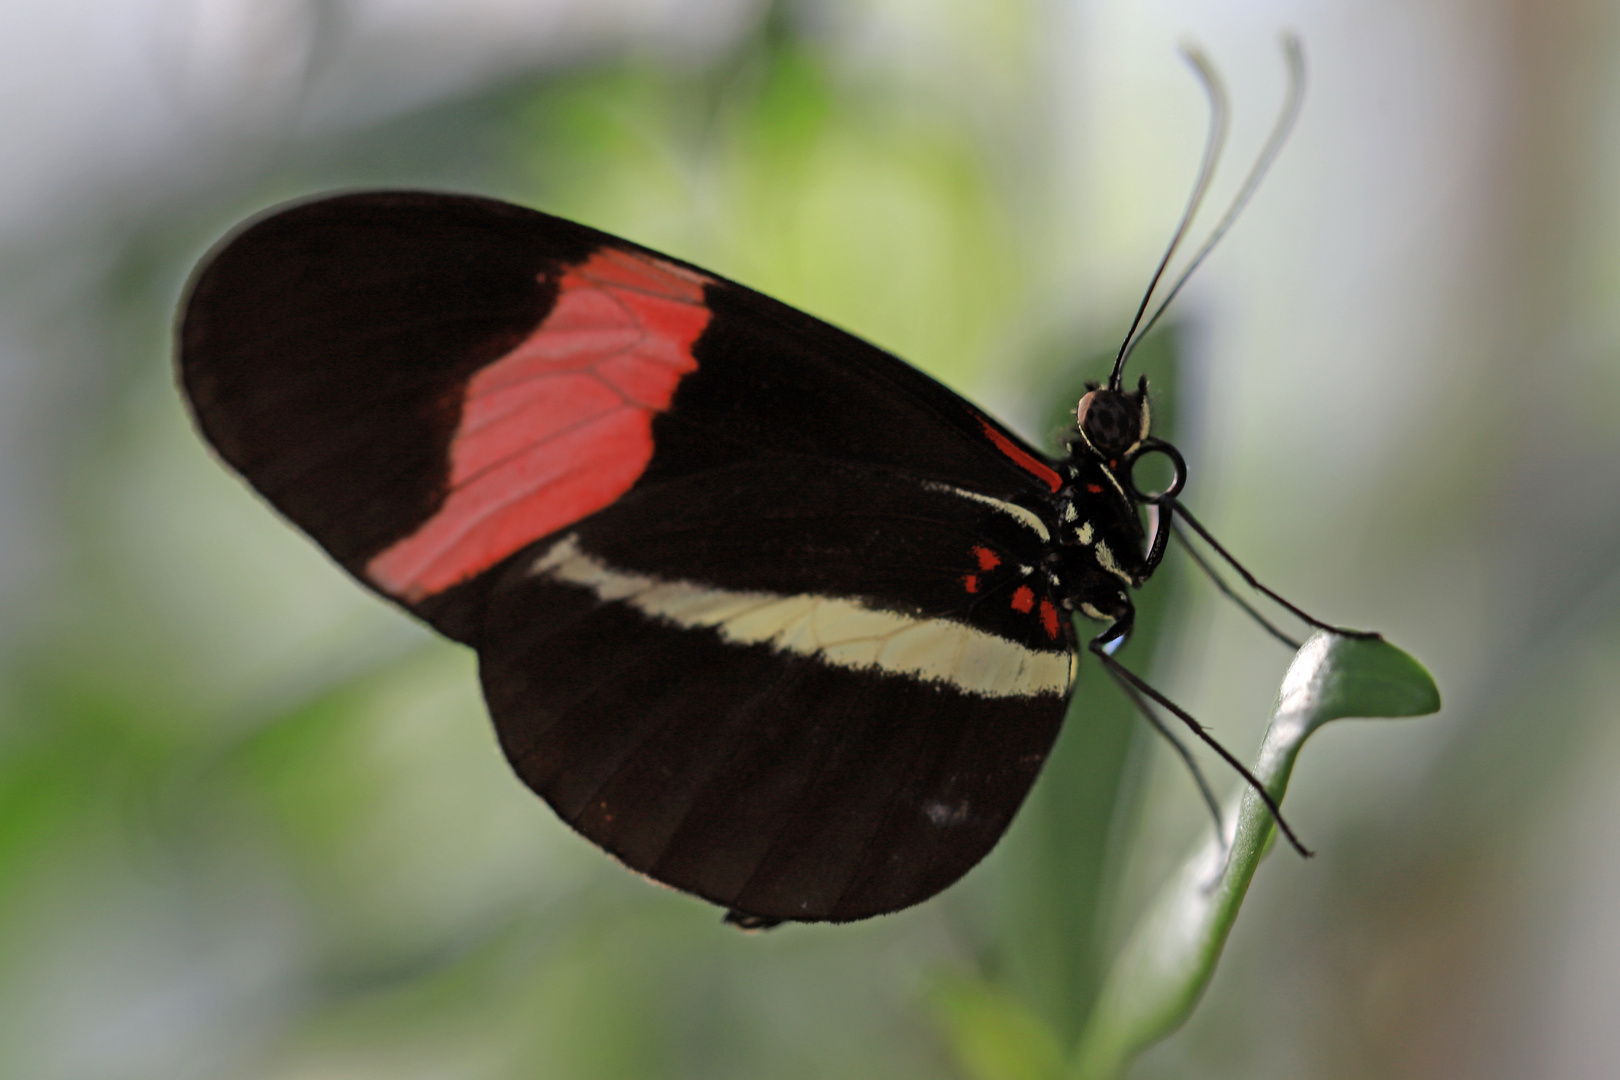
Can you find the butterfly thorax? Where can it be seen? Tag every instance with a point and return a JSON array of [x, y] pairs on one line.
[[1102, 549]]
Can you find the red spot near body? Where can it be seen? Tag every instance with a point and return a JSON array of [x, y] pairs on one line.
[[1021, 458], [1095, 489], [971, 582], [561, 426], [1023, 600], [988, 560], [1049, 619]]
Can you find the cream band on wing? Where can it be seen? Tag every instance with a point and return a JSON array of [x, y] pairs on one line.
[[1027, 518], [836, 631]]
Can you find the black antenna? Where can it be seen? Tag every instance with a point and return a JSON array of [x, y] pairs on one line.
[[1213, 144], [1294, 54]]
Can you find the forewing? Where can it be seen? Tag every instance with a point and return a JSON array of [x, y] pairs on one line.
[[428, 383]]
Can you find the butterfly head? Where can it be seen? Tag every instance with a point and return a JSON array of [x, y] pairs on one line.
[[1112, 436], [1113, 423]]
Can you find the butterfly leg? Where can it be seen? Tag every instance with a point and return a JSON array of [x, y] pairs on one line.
[[1226, 590], [1129, 678], [1181, 749], [1175, 507]]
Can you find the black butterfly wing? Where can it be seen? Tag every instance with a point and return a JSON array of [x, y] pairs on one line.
[[818, 709], [447, 392]]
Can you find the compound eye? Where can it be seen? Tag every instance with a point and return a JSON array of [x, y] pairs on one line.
[[1110, 421]]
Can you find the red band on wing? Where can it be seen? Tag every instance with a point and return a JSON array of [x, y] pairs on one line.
[[1020, 458], [1023, 599], [561, 426]]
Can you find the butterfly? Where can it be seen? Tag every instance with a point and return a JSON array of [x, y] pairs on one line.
[[760, 609]]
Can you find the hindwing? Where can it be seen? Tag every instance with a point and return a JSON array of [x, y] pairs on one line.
[[818, 710]]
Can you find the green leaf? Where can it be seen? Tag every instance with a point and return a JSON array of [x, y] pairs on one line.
[[1170, 956], [992, 1034]]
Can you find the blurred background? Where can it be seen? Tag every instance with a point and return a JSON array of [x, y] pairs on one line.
[[253, 824]]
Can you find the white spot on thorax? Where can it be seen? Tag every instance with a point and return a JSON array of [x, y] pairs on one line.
[[1105, 559], [1112, 479]]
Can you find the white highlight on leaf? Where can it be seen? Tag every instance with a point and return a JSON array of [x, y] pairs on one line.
[[834, 630]]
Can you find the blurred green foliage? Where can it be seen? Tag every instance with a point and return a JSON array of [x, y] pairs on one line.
[[252, 825]]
